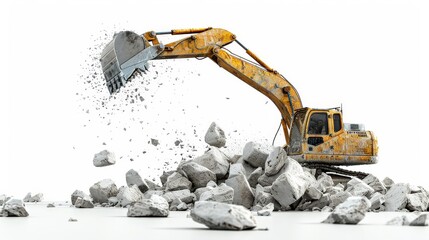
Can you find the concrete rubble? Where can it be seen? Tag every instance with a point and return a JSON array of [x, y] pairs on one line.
[[177, 181], [396, 197], [3, 199], [254, 176], [222, 216], [352, 211], [215, 161], [256, 154], [266, 210], [184, 195], [33, 198], [420, 221], [155, 206], [76, 194], [275, 161], [215, 136], [132, 177], [14, 208], [85, 202], [243, 194], [292, 184], [129, 195], [198, 175], [103, 190], [222, 194], [104, 158]]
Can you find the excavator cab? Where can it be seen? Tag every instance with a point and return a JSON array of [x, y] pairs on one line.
[[320, 136]]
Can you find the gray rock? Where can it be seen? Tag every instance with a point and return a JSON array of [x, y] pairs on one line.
[[133, 178], [243, 194], [197, 174], [84, 202], [164, 176], [292, 184], [338, 198], [152, 185], [265, 180], [113, 201], [352, 211], [388, 182], [312, 193], [178, 205], [155, 206], [72, 220], [129, 195], [215, 161], [417, 202], [50, 205], [211, 184], [14, 208], [248, 169], [263, 197], [377, 200], [327, 209], [149, 193], [359, 188], [184, 195], [102, 190], [334, 190], [275, 161], [3, 199], [375, 183], [266, 210], [399, 221], [200, 191], [421, 221], [254, 176], [324, 182], [104, 158], [77, 194], [223, 216], [396, 197], [318, 204], [222, 193], [215, 136], [236, 169], [256, 154], [27, 197], [177, 182]]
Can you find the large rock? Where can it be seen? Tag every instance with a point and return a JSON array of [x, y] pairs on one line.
[[243, 194], [265, 180], [421, 221], [104, 158], [102, 190], [14, 208], [164, 176], [256, 154], [78, 194], [275, 161], [324, 181], [215, 136], [236, 169], [223, 216], [359, 188], [352, 211], [199, 191], [184, 195], [133, 178], [375, 183], [155, 206], [377, 200], [198, 175], [129, 195], [222, 193], [35, 198], [292, 184], [85, 202], [396, 197], [177, 182], [254, 176], [417, 202], [215, 161]]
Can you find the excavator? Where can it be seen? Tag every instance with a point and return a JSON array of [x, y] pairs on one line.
[[316, 138]]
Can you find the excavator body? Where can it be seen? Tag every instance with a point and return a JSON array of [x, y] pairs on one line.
[[313, 136]]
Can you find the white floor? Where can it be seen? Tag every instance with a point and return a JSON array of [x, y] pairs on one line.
[[112, 223]]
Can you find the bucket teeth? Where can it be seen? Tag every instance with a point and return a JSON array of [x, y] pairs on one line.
[[127, 53]]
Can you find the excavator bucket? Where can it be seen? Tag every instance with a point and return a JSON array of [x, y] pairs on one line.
[[126, 53]]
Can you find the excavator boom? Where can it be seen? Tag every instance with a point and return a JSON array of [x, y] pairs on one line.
[[129, 52]]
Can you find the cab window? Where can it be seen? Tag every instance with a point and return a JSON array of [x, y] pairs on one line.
[[318, 124], [337, 122]]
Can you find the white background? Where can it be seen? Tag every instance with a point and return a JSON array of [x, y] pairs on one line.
[[371, 56]]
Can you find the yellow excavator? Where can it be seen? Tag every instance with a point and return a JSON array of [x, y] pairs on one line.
[[317, 138]]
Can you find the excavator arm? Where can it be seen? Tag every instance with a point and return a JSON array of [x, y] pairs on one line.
[[129, 52]]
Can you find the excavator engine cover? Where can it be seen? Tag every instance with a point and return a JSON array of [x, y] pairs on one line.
[[125, 54]]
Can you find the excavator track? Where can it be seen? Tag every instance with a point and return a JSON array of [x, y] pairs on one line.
[[335, 170]]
